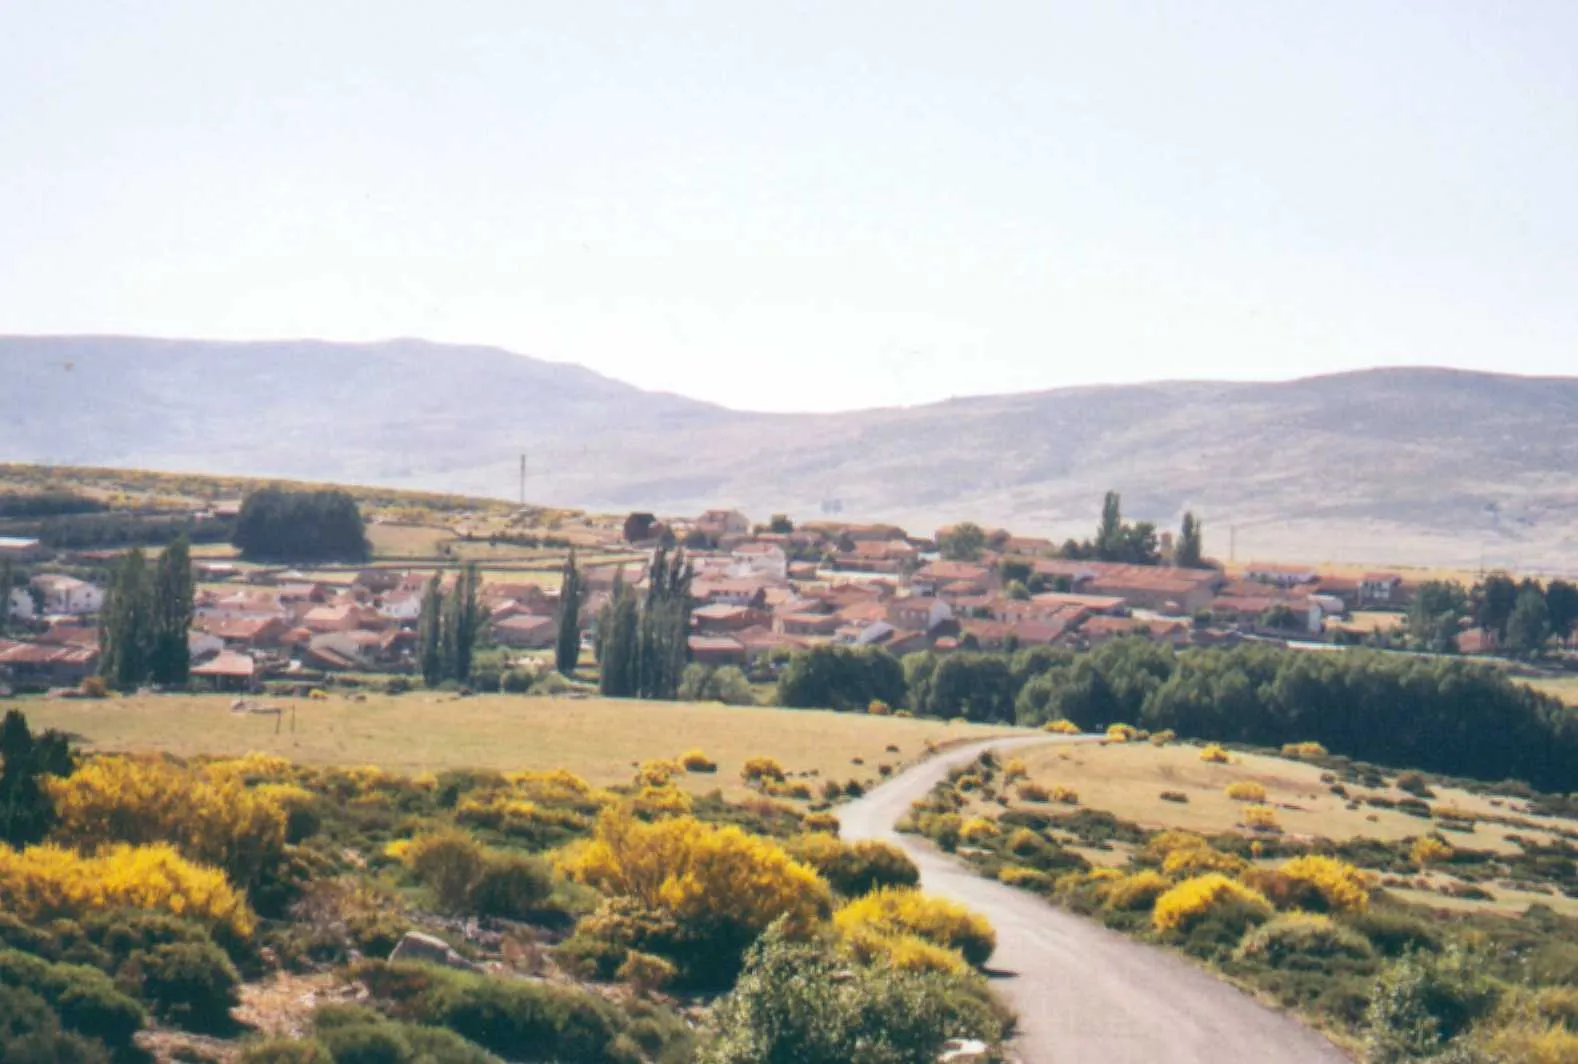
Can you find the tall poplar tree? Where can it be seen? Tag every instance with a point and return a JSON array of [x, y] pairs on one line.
[[430, 632], [1109, 534], [618, 637], [461, 625], [567, 648], [125, 623], [1190, 550], [169, 657]]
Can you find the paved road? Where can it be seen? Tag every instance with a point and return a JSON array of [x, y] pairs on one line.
[[1084, 994]]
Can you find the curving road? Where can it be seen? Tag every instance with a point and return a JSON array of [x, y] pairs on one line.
[[1084, 994]]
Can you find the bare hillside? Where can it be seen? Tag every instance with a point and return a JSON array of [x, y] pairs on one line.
[[1397, 465]]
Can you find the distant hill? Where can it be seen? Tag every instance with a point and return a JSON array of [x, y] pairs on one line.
[[1418, 466]]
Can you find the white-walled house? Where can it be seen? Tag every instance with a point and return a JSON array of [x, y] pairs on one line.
[[20, 604], [67, 594], [759, 559]]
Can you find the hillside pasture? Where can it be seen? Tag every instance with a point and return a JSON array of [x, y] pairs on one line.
[[602, 740]]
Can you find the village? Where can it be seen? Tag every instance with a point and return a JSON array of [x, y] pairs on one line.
[[760, 592]]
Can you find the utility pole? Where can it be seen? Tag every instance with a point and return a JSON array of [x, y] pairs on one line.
[[1232, 543], [523, 480]]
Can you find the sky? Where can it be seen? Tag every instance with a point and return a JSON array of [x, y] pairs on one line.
[[807, 206]]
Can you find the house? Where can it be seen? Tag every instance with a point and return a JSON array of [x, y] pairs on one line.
[[202, 645], [248, 633], [808, 624], [1380, 588], [44, 665], [1102, 605], [715, 524], [215, 571], [766, 560], [1165, 589], [67, 594], [1477, 641], [958, 577], [1098, 630], [229, 671], [401, 605], [377, 580], [526, 632], [718, 617], [918, 613], [332, 618], [1248, 611], [717, 650], [22, 549], [1282, 576], [730, 590]]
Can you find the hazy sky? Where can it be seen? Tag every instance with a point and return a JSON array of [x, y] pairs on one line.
[[807, 205]]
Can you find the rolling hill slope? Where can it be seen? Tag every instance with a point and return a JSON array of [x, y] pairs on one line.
[[1395, 465]]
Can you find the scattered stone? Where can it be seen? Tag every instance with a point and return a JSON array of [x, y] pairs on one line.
[[415, 946]]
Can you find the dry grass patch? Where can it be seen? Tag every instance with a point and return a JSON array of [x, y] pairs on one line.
[[601, 740]]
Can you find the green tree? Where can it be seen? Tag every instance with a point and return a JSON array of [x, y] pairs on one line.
[[780, 524], [126, 623], [7, 582], [430, 632], [567, 647], [172, 600], [663, 629], [1433, 617], [617, 642], [462, 625], [26, 812], [963, 542], [1189, 551], [1492, 600], [301, 526], [1109, 534], [1529, 626], [1561, 602]]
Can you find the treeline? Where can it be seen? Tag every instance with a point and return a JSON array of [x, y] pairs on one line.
[[147, 612], [1521, 616], [642, 642], [1438, 715], [47, 504], [449, 628], [101, 531], [280, 525]]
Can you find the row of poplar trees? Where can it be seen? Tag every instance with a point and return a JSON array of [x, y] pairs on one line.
[[448, 628], [642, 640], [147, 613]]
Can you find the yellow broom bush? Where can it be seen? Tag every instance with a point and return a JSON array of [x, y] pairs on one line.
[[1123, 733], [1188, 861], [1341, 886], [698, 761], [1136, 891], [50, 882], [904, 952], [212, 819], [1427, 850], [1061, 727], [1020, 876], [977, 829], [821, 823], [1014, 769], [1159, 845], [757, 769], [1246, 791], [1216, 755], [1064, 795], [697, 872], [905, 911], [1261, 818], [1304, 751], [1181, 907]]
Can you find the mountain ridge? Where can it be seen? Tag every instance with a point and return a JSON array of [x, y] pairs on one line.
[[1430, 465]]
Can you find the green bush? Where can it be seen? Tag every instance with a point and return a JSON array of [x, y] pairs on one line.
[[797, 1002], [30, 1033], [189, 983], [284, 1051], [85, 998], [862, 867], [1423, 1002], [356, 1034], [1394, 933], [512, 886], [1306, 941]]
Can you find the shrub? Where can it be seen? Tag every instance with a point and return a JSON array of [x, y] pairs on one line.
[[1216, 755], [1299, 938], [722, 886], [46, 882], [84, 998], [1195, 899], [211, 817], [796, 1002], [284, 1051], [1187, 861], [977, 829], [1246, 791], [1136, 891], [1530, 1042], [1028, 878], [1065, 795], [1340, 887], [820, 823], [646, 971], [698, 761], [1304, 751], [878, 708], [1030, 791], [1413, 783], [1421, 1003], [31, 1032], [513, 886], [1428, 850], [1123, 733], [1260, 818], [1394, 933], [904, 953], [1061, 727], [855, 869], [758, 769], [192, 984], [1014, 769], [1174, 796], [901, 911], [1163, 737], [449, 864]]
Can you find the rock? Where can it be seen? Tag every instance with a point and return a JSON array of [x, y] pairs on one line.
[[415, 946], [965, 1051]]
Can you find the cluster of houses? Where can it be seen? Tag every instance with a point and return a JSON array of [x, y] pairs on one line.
[[757, 597]]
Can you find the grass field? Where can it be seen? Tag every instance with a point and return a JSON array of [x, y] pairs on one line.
[[406, 541], [1127, 780], [1563, 687], [599, 739]]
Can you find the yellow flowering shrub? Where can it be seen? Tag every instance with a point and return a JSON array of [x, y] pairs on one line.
[[1184, 905], [1031, 791], [1138, 890], [697, 872], [1159, 845], [212, 819], [253, 767], [654, 802], [504, 811], [1061, 727], [821, 823], [658, 773], [1427, 850], [1246, 791], [1064, 795], [1304, 751], [1123, 733], [757, 769], [906, 911], [1014, 769], [977, 829], [1187, 861], [1530, 1042], [1162, 738], [1261, 818], [50, 882], [1020, 876], [1216, 755], [904, 952], [697, 761], [1341, 886]]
